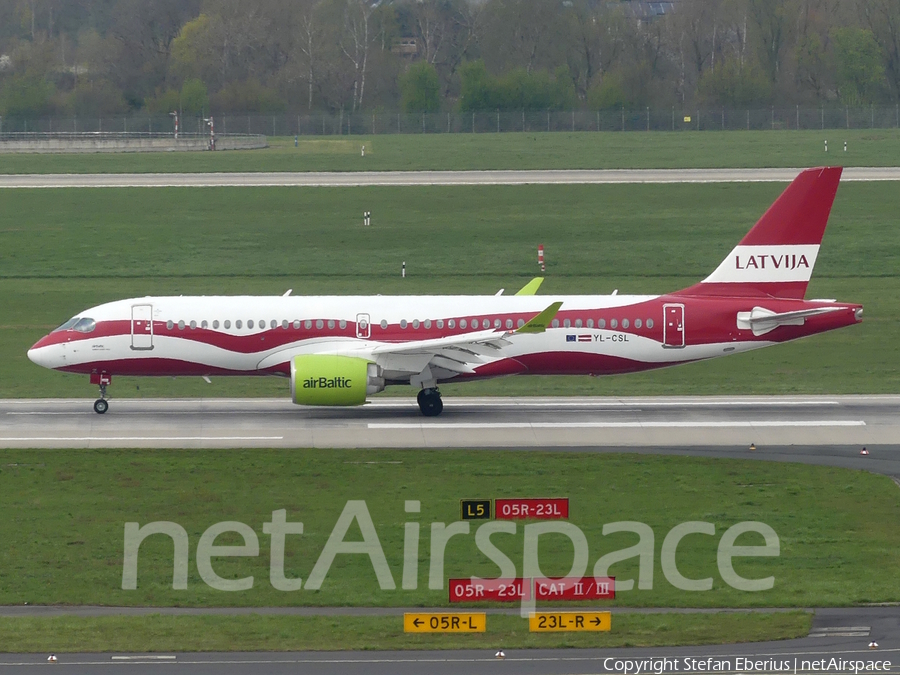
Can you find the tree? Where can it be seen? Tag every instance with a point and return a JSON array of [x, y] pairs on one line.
[[24, 96], [733, 85], [882, 17], [194, 97], [860, 67], [420, 89]]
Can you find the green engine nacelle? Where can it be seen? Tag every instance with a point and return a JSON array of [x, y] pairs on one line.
[[327, 379]]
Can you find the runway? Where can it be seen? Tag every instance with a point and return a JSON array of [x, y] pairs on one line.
[[841, 634], [396, 178], [725, 425]]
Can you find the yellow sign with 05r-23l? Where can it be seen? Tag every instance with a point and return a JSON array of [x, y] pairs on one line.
[[472, 622], [539, 622]]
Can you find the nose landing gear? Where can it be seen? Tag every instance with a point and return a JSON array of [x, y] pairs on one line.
[[429, 401], [101, 405]]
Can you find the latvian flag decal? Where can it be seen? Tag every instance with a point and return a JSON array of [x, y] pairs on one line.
[[578, 338]]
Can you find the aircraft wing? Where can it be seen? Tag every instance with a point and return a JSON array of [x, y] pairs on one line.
[[457, 353]]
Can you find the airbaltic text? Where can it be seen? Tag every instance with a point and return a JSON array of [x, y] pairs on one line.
[[327, 383]]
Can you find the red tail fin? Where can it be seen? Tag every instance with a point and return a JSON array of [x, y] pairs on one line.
[[776, 258]]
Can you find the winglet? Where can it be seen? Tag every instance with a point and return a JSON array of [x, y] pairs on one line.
[[539, 323], [531, 287]]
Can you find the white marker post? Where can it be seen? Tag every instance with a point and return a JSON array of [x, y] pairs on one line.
[[845, 146], [362, 153], [826, 146], [403, 270], [541, 257]]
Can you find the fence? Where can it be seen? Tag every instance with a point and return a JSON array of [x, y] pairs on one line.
[[647, 119]]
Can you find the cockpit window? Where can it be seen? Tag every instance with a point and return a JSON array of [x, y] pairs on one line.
[[68, 324], [84, 325]]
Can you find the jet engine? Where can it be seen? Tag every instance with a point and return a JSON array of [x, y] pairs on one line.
[[329, 379]]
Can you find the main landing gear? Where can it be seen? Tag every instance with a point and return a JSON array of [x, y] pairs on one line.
[[430, 403], [101, 405]]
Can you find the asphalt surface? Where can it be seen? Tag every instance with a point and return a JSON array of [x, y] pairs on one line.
[[832, 429], [840, 634], [367, 178]]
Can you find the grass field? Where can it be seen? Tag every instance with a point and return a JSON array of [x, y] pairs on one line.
[[64, 516], [275, 633], [584, 150], [64, 250]]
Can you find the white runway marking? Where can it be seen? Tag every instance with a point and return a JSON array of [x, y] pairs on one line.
[[144, 658], [141, 438], [616, 425]]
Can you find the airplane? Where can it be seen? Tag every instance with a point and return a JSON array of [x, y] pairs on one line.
[[337, 350]]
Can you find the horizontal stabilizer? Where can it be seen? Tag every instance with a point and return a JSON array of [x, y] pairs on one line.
[[761, 320]]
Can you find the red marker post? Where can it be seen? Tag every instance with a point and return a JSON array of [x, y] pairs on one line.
[[541, 257]]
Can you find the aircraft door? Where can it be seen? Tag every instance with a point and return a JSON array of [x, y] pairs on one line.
[[363, 326], [673, 326], [142, 326]]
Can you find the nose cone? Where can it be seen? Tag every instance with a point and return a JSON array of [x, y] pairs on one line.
[[43, 354]]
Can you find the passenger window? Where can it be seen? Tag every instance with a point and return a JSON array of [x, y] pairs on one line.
[[343, 324], [331, 323], [427, 323], [637, 323], [307, 324], [625, 323], [170, 325], [384, 324], [204, 324], [567, 324], [227, 323], [577, 323], [285, 324], [555, 323], [296, 324], [590, 323], [462, 323], [249, 324], [403, 323], [649, 323], [181, 325], [496, 323], [320, 324], [440, 323], [614, 323], [193, 325], [520, 323], [415, 324], [601, 323], [452, 323], [216, 323], [509, 324]]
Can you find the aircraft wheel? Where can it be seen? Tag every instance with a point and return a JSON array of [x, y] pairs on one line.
[[430, 402], [101, 406]]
